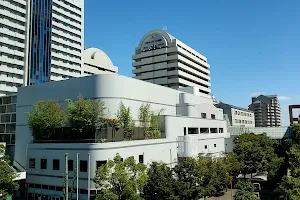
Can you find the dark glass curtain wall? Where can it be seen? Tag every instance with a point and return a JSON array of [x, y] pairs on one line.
[[40, 49]]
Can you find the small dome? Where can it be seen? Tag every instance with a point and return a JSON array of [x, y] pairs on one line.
[[96, 57]]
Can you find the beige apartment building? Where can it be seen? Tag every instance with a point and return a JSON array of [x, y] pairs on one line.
[[162, 59], [267, 111]]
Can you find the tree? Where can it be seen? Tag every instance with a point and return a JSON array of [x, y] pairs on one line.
[[233, 164], [294, 161], [295, 131], [125, 119], [161, 183], [150, 121], [245, 191], [290, 188], [45, 115], [256, 152], [7, 175], [85, 112], [118, 180]]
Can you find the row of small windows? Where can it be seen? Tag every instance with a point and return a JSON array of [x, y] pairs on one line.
[[60, 76], [193, 61], [66, 46], [14, 48], [12, 11], [242, 113], [69, 4], [239, 121], [13, 66], [10, 108], [71, 56], [66, 31], [67, 39], [66, 69], [190, 52], [16, 3], [13, 29], [12, 38], [8, 118], [83, 164], [20, 58], [10, 84], [212, 116], [11, 75], [66, 61], [66, 17], [66, 24], [8, 138], [12, 20], [8, 128], [8, 100], [195, 130]]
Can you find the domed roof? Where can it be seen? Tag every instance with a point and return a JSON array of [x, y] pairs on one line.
[[168, 37], [97, 57]]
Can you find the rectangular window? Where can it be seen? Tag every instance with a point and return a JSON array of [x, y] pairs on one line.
[[184, 131], [31, 163], [193, 131], [243, 121], [213, 130], [55, 164], [204, 130], [70, 165], [51, 187], [235, 112], [236, 121], [203, 115], [205, 146], [213, 116], [141, 158], [215, 145], [43, 163], [83, 165], [100, 163], [221, 130]]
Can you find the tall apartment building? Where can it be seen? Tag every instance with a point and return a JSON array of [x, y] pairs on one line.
[[162, 59], [267, 111], [40, 41]]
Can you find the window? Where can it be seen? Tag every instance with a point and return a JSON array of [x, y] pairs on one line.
[[70, 165], [43, 163], [203, 115], [141, 158], [193, 131], [204, 130], [83, 166], [238, 112], [236, 121], [213, 116], [221, 130], [215, 145], [213, 130], [205, 146], [51, 187], [235, 112], [243, 121], [240, 121], [31, 163], [55, 164], [100, 163], [184, 131]]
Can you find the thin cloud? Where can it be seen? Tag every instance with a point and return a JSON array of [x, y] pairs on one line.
[[283, 98]]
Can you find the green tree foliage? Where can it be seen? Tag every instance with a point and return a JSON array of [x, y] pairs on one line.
[[150, 121], [125, 118], [118, 180], [291, 188], [256, 152], [85, 112], [245, 191], [7, 175], [233, 164], [45, 115], [294, 161], [161, 183], [295, 130]]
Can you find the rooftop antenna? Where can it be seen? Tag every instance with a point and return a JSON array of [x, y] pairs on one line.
[[165, 28]]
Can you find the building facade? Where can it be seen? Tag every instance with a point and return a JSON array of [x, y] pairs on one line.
[[237, 116], [162, 59], [41, 41], [191, 125], [267, 111]]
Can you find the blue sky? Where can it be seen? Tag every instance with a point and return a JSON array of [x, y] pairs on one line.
[[252, 46]]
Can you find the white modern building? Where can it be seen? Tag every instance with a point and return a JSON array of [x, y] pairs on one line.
[[162, 59], [97, 62], [40, 41], [237, 116], [191, 125]]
